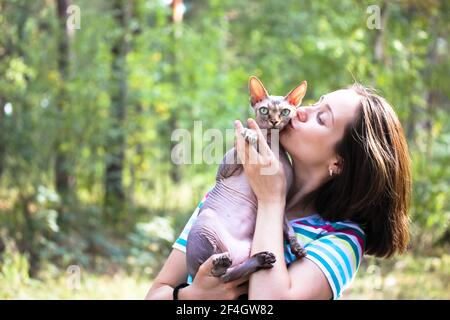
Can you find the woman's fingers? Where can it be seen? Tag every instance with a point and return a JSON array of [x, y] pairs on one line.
[[263, 155], [239, 281], [241, 290], [242, 146], [247, 153], [264, 148], [253, 156], [240, 286], [238, 125]]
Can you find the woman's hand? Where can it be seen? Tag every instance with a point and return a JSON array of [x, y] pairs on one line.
[[263, 169], [208, 287]]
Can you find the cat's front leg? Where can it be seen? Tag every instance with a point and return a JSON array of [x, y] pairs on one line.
[[250, 136], [289, 234]]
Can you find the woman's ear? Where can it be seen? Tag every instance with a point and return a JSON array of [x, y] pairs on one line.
[[337, 165]]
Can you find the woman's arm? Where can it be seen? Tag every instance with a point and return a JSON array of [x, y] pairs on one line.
[[173, 273], [303, 280], [204, 287]]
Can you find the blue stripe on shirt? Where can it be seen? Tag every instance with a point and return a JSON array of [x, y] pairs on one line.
[[181, 242], [343, 255], [330, 271], [333, 259], [347, 238], [305, 232]]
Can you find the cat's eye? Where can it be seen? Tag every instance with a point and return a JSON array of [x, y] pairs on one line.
[[264, 111], [285, 112]]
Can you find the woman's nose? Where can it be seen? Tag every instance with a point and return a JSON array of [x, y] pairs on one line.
[[302, 114]]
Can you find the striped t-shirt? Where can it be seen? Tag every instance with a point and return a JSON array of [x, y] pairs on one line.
[[335, 247]]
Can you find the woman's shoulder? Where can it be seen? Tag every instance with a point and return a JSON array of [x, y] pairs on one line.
[[315, 227], [315, 220], [336, 247]]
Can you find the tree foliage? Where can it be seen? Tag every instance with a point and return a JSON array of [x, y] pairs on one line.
[[102, 110]]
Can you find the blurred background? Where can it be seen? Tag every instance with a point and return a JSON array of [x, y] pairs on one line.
[[91, 91]]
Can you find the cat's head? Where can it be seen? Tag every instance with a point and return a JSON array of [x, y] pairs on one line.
[[274, 112]]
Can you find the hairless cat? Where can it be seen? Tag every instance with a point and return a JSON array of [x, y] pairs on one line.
[[226, 221]]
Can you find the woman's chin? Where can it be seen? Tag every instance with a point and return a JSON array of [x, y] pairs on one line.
[[283, 136], [287, 129]]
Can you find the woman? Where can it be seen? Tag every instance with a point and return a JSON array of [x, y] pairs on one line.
[[350, 196]]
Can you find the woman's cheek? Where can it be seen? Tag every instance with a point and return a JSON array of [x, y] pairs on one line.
[[311, 145]]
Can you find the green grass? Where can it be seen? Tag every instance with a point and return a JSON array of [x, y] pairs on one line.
[[92, 287], [65, 283], [405, 277]]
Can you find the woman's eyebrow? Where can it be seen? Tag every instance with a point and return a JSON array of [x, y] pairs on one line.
[[319, 101], [327, 106]]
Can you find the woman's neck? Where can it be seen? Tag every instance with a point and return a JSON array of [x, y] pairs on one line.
[[304, 182]]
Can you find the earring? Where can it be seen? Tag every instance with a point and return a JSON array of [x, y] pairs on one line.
[[331, 172]]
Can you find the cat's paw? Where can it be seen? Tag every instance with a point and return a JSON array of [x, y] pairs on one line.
[[296, 248], [220, 264], [265, 259], [250, 136]]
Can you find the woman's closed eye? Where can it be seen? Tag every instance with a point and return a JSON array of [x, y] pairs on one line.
[[319, 119]]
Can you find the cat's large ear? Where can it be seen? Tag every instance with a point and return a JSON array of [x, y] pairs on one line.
[[296, 95], [257, 90]]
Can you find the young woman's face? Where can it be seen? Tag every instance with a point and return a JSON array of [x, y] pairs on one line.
[[311, 136]]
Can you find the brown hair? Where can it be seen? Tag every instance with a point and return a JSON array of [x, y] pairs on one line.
[[374, 186]]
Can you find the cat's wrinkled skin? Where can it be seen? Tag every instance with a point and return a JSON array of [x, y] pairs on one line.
[[226, 222]]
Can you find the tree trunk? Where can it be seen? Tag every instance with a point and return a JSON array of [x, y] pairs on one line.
[[137, 15], [138, 155], [29, 236], [2, 136], [432, 95], [115, 150], [62, 168], [379, 46], [27, 242], [411, 123], [176, 20]]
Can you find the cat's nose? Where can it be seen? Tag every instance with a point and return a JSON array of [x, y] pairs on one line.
[[275, 122]]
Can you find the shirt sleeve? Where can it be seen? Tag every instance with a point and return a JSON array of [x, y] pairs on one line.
[[181, 241], [338, 255]]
